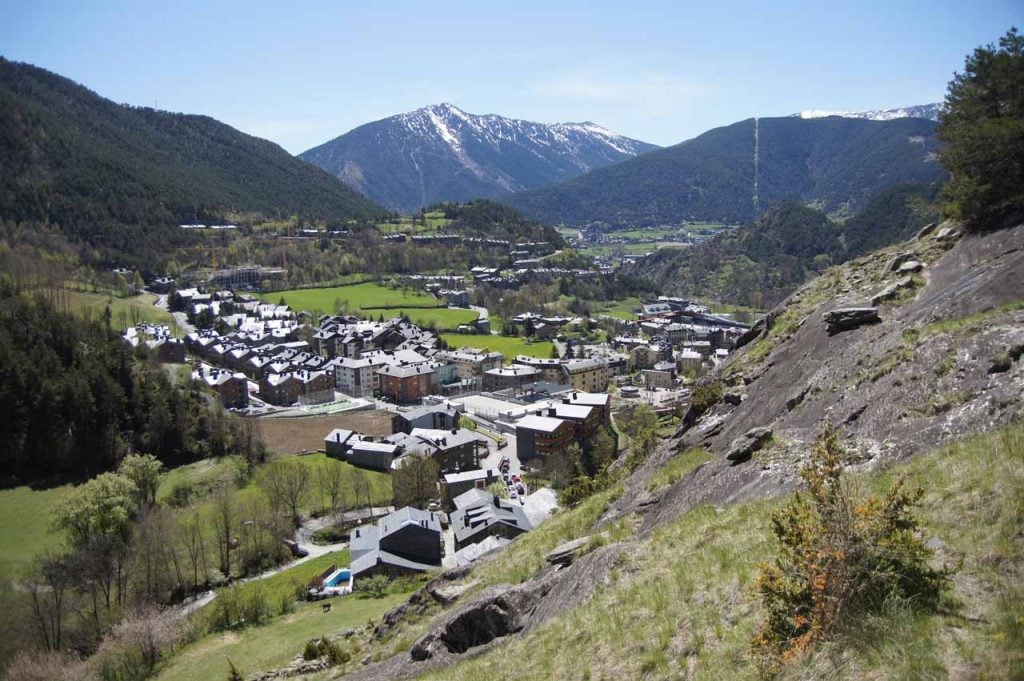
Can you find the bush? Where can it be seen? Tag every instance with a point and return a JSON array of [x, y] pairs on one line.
[[841, 555], [375, 586], [323, 647], [707, 395]]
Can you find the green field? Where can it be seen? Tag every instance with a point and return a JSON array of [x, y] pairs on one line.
[[24, 532], [435, 221], [274, 644], [623, 309], [137, 308], [630, 249], [506, 345], [651, 233], [364, 296], [440, 318], [380, 483]]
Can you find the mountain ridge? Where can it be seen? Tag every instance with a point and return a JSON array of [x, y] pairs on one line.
[[442, 153], [928, 111], [72, 157], [729, 174]]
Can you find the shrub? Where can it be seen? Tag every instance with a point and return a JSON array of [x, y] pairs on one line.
[[375, 586], [707, 395], [841, 554], [323, 647]]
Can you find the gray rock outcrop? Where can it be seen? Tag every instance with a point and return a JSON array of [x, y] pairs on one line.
[[744, 446], [846, 318]]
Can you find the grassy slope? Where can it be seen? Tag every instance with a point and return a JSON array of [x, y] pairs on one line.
[[141, 306], [681, 603], [272, 645], [24, 532], [507, 345]]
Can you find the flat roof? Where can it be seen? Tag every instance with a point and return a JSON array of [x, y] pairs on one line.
[[541, 423]]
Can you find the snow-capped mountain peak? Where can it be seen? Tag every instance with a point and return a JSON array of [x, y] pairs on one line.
[[441, 152]]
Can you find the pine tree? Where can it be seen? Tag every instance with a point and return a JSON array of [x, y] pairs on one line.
[[983, 125]]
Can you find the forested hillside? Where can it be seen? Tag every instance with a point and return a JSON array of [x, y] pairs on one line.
[[730, 174], [761, 263], [73, 400], [115, 175]]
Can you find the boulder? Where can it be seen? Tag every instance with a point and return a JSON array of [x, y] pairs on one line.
[[566, 553], [743, 447], [891, 291], [446, 595], [947, 234], [846, 318], [894, 264], [760, 329], [735, 395], [910, 267], [926, 230]]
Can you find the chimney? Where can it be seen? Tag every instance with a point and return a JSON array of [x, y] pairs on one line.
[[497, 501]]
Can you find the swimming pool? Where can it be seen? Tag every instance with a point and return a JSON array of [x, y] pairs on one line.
[[338, 578]]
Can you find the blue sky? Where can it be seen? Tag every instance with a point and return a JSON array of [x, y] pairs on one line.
[[300, 73]]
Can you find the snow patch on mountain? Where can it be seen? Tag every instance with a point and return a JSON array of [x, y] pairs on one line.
[[929, 111]]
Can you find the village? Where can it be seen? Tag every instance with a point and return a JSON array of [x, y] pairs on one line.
[[484, 419]]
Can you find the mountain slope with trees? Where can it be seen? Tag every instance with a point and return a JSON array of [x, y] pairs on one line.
[[761, 263], [441, 153], [115, 175], [834, 163]]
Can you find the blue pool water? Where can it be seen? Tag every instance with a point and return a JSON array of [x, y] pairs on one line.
[[338, 577]]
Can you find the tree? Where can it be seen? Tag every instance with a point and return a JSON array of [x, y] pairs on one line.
[[144, 471], [414, 483], [286, 483], [331, 478], [225, 523], [361, 489], [841, 555], [102, 508], [983, 126], [46, 585], [600, 453], [642, 428]]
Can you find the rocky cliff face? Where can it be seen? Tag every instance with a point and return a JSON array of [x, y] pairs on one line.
[[941, 362], [938, 356]]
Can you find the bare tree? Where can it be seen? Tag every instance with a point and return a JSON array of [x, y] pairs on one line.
[[47, 587], [225, 523], [361, 489], [331, 479], [286, 484], [190, 536], [415, 481]]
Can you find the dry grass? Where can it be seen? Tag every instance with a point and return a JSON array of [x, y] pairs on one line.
[[306, 433], [682, 605]]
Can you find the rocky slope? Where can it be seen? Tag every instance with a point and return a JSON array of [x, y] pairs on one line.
[[664, 577], [441, 153]]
